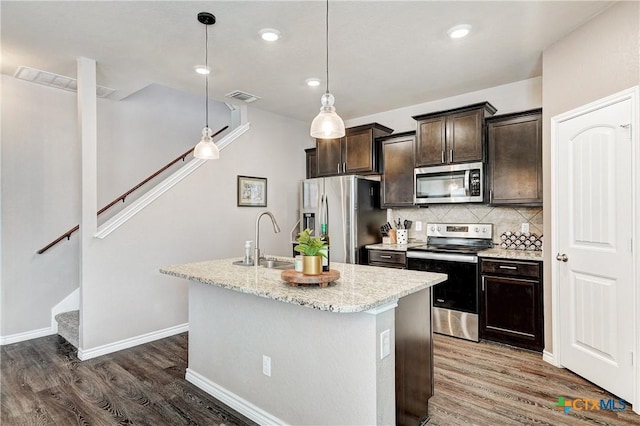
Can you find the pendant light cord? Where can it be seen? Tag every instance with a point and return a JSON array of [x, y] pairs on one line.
[[327, 42], [206, 81]]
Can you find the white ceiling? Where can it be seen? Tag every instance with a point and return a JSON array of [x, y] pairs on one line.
[[383, 54]]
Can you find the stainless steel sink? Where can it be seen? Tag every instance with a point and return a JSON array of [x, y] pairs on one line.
[[276, 264], [269, 263]]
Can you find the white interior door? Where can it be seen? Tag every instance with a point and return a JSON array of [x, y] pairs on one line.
[[593, 237]]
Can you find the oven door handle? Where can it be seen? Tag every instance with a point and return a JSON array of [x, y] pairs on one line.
[[466, 258]]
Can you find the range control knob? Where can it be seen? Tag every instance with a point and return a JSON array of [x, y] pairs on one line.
[[433, 228], [439, 229], [477, 229], [484, 230]]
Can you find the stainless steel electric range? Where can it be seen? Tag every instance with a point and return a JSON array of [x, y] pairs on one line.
[[453, 249]]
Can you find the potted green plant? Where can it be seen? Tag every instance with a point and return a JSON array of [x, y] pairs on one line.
[[312, 252]]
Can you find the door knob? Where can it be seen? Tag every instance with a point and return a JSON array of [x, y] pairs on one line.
[[562, 257]]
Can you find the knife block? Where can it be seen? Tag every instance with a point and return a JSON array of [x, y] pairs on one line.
[[392, 236]]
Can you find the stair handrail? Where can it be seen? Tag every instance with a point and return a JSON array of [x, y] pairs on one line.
[[122, 197]]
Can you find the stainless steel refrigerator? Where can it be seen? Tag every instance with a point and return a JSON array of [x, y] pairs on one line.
[[354, 214]]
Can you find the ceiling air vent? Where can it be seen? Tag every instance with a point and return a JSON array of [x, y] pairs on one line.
[[57, 81], [242, 96]]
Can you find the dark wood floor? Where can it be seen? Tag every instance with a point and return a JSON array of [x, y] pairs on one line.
[[491, 384], [43, 383]]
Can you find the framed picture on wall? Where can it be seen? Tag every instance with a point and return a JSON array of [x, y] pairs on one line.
[[252, 191]]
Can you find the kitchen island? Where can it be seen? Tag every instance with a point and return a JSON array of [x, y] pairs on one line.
[[356, 352]]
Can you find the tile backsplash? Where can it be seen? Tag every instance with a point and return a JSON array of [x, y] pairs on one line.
[[503, 218]]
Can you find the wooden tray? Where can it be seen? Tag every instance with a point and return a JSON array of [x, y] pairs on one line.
[[293, 278]]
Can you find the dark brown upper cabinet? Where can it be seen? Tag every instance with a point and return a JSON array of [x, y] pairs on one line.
[[329, 156], [452, 136], [514, 166], [312, 162], [355, 153], [397, 170]]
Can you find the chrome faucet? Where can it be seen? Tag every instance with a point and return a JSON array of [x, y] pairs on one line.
[[276, 229]]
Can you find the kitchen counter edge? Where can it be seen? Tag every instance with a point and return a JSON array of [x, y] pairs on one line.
[[393, 247], [500, 253]]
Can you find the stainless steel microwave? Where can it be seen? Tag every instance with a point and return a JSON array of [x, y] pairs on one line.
[[455, 183]]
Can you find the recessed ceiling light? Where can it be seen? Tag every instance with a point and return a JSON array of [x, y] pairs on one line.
[[459, 31], [312, 82], [202, 69], [270, 34]]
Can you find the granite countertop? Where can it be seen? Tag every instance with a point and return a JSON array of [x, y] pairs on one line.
[[496, 252], [501, 253], [359, 288], [393, 247]]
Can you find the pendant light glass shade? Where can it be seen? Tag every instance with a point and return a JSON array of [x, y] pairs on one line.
[[206, 149], [327, 124]]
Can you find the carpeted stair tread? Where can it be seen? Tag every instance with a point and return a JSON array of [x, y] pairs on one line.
[[68, 326]]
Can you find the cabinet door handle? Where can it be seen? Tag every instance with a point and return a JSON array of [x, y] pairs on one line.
[[338, 168], [491, 196], [451, 155], [508, 267], [442, 152], [382, 256], [344, 167]]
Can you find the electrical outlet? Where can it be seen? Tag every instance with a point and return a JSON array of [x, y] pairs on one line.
[[418, 225], [385, 344], [266, 365], [525, 227]]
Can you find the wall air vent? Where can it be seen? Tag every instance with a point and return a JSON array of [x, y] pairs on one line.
[[242, 96], [57, 81]]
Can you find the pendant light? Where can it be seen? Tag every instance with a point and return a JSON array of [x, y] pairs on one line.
[[206, 149], [327, 124]]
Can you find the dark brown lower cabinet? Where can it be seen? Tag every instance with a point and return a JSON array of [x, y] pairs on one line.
[[511, 308], [388, 258], [414, 358]]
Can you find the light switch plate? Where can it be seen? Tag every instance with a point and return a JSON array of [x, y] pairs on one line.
[[266, 365], [418, 225], [385, 344], [525, 227]]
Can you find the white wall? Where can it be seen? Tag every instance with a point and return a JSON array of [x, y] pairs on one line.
[[40, 191], [325, 366], [598, 59], [143, 132], [512, 97], [198, 219]]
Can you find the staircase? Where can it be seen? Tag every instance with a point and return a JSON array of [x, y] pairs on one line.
[[68, 326]]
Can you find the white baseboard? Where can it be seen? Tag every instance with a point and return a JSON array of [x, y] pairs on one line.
[[21, 337], [85, 354], [549, 357], [229, 398]]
